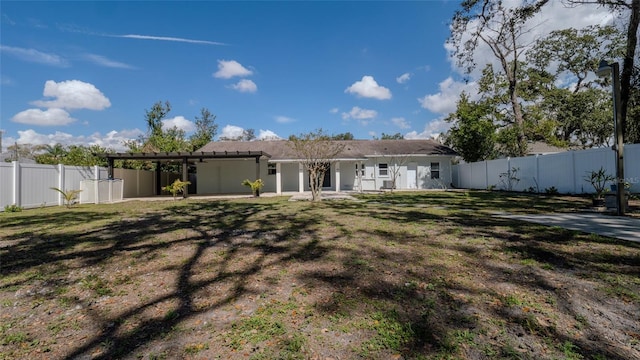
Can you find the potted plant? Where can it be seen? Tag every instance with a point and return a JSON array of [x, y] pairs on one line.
[[599, 179]]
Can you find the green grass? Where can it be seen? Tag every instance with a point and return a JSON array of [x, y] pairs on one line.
[[423, 275]]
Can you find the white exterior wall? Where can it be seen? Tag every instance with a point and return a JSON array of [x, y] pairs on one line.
[[225, 176], [374, 181], [564, 171]]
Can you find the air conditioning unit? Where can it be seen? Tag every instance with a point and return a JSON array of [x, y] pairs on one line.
[[387, 184]]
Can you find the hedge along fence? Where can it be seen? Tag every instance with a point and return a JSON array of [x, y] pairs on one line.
[[563, 171]]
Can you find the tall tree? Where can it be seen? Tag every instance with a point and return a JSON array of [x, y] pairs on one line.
[[501, 29], [316, 152], [206, 129], [631, 129], [473, 134], [566, 60]]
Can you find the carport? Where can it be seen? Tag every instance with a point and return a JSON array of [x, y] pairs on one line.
[[184, 157]]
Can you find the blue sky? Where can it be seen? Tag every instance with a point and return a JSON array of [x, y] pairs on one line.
[[84, 72]]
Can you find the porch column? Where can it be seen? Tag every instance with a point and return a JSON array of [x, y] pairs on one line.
[[300, 177], [278, 178], [185, 176], [337, 176], [359, 174]]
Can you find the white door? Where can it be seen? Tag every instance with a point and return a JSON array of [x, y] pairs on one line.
[[412, 176]]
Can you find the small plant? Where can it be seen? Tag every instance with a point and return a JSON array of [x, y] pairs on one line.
[[551, 191], [599, 179], [178, 186], [69, 196], [12, 208], [254, 185], [510, 178]]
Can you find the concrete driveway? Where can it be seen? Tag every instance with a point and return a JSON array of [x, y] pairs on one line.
[[621, 227]]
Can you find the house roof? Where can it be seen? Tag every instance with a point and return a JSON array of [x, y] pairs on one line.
[[353, 149]]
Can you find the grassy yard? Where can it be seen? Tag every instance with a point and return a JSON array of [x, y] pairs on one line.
[[430, 275]]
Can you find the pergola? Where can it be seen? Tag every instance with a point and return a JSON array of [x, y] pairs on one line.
[[184, 157]]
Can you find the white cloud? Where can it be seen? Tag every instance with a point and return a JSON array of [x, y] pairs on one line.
[[49, 117], [268, 135], [359, 114], [35, 56], [180, 122], [231, 132], [73, 94], [230, 68], [369, 88], [431, 130], [104, 61], [444, 102], [403, 78], [400, 122], [334, 111], [168, 38], [372, 133], [245, 85], [284, 120], [112, 140]]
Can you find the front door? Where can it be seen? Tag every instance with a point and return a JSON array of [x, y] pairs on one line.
[[412, 176], [326, 182]]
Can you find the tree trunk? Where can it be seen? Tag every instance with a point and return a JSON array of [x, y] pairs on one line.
[[627, 70]]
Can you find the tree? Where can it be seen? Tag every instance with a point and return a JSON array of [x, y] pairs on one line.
[[473, 134], [53, 154], [396, 136], [206, 129], [501, 29], [316, 151], [343, 136], [631, 129], [23, 151]]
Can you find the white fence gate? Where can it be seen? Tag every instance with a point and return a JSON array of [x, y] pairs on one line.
[[564, 171]]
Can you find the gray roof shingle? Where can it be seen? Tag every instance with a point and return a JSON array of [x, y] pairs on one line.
[[353, 149]]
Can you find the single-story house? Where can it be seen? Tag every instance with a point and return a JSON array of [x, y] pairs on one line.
[[363, 165]]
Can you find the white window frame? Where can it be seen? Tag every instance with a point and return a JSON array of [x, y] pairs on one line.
[[271, 169], [435, 173], [386, 170]]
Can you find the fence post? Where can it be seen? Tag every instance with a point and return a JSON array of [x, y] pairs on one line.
[[61, 183], [16, 183]]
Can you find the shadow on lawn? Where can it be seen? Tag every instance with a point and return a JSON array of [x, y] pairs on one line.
[[426, 305]]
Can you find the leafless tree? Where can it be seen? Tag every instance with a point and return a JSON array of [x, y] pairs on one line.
[[316, 152]]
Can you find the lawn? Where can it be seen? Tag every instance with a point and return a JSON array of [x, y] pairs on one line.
[[425, 275]]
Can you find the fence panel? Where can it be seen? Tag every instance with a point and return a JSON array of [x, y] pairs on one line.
[[526, 173], [36, 181], [6, 184], [563, 171]]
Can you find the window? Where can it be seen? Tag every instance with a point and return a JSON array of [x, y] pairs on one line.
[[361, 170], [435, 170], [383, 169], [271, 169]]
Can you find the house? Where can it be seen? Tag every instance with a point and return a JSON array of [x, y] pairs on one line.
[[363, 165]]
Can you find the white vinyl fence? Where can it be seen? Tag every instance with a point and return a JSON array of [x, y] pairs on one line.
[[562, 171], [29, 185]]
